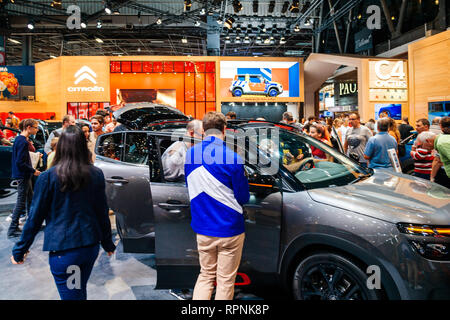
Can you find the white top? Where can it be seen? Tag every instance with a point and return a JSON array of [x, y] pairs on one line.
[[173, 160]]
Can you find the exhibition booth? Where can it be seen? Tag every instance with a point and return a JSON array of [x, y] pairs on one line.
[[251, 86]]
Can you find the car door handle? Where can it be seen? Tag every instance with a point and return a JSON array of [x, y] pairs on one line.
[[172, 206], [116, 180]]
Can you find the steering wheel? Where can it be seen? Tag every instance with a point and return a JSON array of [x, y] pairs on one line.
[[306, 164]]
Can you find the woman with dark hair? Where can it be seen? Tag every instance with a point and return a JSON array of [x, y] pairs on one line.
[[319, 132], [71, 198]]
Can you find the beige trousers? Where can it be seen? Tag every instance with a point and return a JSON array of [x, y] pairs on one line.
[[219, 261]]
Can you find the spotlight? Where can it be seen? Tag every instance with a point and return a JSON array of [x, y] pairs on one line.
[[116, 11], [219, 21], [30, 25], [99, 40], [285, 7], [159, 21], [184, 40], [55, 4], [187, 5], [229, 22], [83, 25], [108, 8], [297, 28], [99, 24], [203, 11], [197, 23], [282, 40], [237, 5]]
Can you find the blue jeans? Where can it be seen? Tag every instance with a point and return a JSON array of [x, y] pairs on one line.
[[23, 202], [71, 270]]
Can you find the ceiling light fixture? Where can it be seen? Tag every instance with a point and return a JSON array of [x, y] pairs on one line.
[[237, 5], [219, 21], [187, 5], [14, 41], [30, 25], [52, 56], [83, 25], [98, 40], [197, 23], [55, 4], [184, 40], [99, 24], [159, 21], [203, 11], [229, 22], [116, 11], [108, 8], [297, 28]]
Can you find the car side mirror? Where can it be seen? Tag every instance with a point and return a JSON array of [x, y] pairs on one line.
[[262, 184]]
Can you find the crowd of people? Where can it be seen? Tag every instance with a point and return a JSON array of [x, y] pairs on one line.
[[70, 194]]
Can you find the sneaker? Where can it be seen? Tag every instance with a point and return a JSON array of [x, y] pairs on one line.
[[183, 294], [9, 218]]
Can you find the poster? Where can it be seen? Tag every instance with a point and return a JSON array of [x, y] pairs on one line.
[[392, 110], [260, 79]]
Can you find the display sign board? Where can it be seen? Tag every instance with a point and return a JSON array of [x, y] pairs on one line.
[[363, 40], [86, 79], [388, 80], [259, 80], [393, 110]]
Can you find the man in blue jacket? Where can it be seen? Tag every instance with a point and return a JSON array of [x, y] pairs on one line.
[[22, 171], [217, 189]]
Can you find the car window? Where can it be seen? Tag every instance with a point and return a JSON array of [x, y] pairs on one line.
[[311, 162], [39, 139], [255, 80], [110, 146], [136, 148], [241, 78]]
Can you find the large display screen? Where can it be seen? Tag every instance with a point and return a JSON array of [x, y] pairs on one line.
[[259, 80], [392, 110]]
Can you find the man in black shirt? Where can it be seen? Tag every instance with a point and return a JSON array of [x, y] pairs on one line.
[[405, 128]]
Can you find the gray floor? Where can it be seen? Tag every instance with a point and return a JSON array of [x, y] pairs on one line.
[[123, 276]]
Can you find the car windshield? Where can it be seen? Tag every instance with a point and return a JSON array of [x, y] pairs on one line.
[[313, 163]]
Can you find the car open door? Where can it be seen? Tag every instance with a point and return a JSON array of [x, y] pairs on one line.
[[176, 252], [123, 157]]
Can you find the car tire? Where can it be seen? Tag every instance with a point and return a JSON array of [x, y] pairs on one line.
[[237, 92], [273, 92], [314, 279]]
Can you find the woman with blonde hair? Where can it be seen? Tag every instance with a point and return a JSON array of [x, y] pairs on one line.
[[393, 130]]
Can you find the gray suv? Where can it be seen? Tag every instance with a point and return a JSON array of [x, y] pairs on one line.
[[324, 229]]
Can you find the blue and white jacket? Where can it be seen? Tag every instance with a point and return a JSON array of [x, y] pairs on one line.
[[217, 188]]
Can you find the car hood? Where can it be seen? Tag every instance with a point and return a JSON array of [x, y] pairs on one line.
[[138, 116], [391, 197]]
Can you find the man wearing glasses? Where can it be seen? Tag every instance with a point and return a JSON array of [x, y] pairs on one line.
[[22, 171], [356, 138]]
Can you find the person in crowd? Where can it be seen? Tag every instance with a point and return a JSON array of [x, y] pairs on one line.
[[302, 122], [337, 123], [97, 126], [14, 120], [376, 150], [356, 138], [111, 125], [174, 157], [9, 134], [90, 140], [288, 118], [231, 115], [4, 140], [74, 207], [51, 155], [344, 128], [67, 120], [393, 131], [319, 132], [440, 171], [421, 126], [22, 170], [423, 156], [102, 112], [405, 128], [371, 125], [435, 126], [217, 190], [311, 120]]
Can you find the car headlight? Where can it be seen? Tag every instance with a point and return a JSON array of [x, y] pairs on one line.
[[431, 242]]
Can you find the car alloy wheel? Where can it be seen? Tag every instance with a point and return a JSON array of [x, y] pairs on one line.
[[273, 92], [237, 92], [328, 276]]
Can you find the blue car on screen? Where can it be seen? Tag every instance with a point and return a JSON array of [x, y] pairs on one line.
[[438, 109], [393, 111]]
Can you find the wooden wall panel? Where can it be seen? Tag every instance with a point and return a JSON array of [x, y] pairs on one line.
[[429, 69], [49, 87]]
